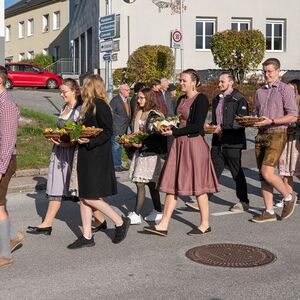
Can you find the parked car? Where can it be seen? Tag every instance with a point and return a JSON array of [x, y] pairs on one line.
[[26, 74]]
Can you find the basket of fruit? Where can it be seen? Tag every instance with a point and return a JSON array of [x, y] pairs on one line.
[[209, 129], [56, 134], [247, 121], [127, 140], [88, 132], [166, 123], [77, 130]]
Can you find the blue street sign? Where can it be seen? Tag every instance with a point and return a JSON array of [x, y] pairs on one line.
[[107, 27], [107, 57], [107, 34], [107, 19]]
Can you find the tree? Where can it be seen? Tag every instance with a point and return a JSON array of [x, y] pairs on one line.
[[150, 62], [41, 60], [238, 51]]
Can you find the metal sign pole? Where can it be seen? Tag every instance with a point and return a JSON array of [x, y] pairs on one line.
[[108, 64], [174, 69], [181, 50]]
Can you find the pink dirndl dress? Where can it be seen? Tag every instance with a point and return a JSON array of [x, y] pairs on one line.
[[188, 170]]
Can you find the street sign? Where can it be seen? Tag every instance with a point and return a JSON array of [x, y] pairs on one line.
[[176, 39], [107, 27], [107, 57], [114, 57], [106, 46]]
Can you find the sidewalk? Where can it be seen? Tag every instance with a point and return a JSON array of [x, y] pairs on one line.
[[36, 179]]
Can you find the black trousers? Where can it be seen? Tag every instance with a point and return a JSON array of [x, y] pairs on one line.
[[231, 157]]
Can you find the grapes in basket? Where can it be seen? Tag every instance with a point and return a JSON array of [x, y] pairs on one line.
[[127, 140]]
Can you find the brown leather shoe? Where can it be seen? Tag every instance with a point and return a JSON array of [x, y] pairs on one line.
[[288, 207], [264, 217], [5, 262], [20, 237]]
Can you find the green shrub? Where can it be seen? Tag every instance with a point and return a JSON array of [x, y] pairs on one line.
[[148, 62], [41, 60], [238, 51]]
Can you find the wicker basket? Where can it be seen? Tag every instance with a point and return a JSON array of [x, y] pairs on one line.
[[248, 121], [52, 135], [210, 129], [90, 132]]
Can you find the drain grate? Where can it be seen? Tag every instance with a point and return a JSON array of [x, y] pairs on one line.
[[230, 255]]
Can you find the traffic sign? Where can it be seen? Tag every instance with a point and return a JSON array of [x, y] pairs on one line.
[[107, 27], [107, 57], [176, 39], [106, 46]]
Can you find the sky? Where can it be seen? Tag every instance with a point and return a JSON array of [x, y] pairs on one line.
[[10, 2]]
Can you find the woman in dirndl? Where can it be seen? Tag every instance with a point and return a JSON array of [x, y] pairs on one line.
[[188, 170], [146, 164], [61, 158], [289, 162]]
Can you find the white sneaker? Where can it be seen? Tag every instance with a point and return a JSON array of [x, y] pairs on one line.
[[134, 218], [279, 204], [154, 216]]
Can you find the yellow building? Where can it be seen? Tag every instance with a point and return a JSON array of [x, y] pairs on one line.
[[37, 26]]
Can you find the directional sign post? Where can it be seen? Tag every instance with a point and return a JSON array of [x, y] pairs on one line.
[[106, 46], [107, 57], [107, 27]]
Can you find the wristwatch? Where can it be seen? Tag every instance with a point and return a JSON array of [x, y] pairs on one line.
[[273, 123]]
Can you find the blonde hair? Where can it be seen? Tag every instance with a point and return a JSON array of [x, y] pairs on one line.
[[93, 90]]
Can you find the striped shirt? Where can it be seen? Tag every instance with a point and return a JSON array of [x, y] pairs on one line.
[[276, 101], [9, 115]]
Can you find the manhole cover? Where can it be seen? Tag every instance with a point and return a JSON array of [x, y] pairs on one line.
[[230, 255]]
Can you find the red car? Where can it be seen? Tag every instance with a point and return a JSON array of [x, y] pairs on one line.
[[26, 74]]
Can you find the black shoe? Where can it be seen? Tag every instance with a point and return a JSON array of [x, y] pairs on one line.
[[102, 226], [121, 231], [82, 242], [197, 231], [153, 230], [38, 230]]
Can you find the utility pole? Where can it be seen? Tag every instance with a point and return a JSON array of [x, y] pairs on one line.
[[108, 64]]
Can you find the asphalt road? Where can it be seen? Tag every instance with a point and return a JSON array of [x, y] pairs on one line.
[[44, 100], [146, 266]]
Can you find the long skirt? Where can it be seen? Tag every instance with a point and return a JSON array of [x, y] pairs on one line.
[[188, 170], [59, 172]]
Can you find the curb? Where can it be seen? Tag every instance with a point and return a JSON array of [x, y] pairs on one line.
[[31, 172]]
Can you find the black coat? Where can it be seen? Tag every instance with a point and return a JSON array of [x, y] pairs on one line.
[[233, 135], [96, 173]]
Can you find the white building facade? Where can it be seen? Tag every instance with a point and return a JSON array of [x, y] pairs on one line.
[[2, 32], [143, 23]]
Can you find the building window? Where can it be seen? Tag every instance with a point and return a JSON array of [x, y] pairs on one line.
[[275, 30], [205, 29], [30, 27], [7, 33], [30, 55], [45, 51], [45, 23], [56, 53], [21, 30], [21, 56], [56, 20], [240, 24]]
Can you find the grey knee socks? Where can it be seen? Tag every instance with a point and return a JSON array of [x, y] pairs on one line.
[[5, 238]]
